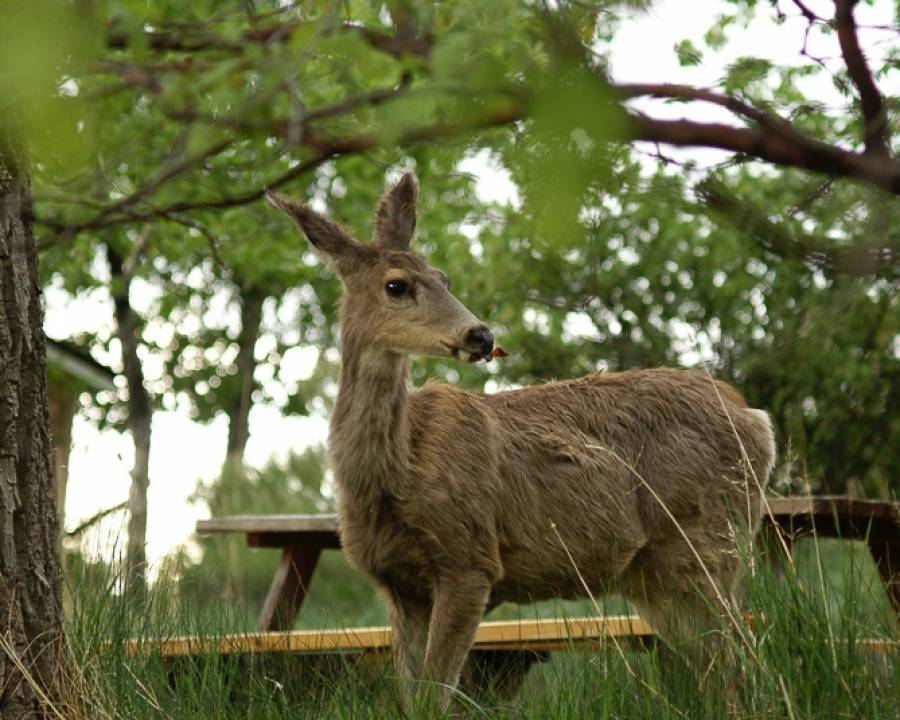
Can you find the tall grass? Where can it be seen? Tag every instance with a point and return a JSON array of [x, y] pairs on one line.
[[803, 659]]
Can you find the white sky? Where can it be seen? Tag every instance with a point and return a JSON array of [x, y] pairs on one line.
[[184, 452]]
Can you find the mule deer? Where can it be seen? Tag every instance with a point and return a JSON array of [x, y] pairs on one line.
[[453, 501]]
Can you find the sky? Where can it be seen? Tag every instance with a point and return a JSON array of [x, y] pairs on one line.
[[185, 452]]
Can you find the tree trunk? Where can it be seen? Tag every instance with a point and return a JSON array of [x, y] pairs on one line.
[[31, 647], [239, 430], [239, 409], [63, 406], [140, 416]]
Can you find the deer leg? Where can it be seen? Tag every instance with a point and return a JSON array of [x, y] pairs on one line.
[[409, 638], [459, 604], [695, 615], [690, 627]]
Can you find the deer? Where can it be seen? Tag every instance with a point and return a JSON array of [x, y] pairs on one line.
[[453, 501]]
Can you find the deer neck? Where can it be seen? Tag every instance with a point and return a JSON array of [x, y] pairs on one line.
[[369, 429]]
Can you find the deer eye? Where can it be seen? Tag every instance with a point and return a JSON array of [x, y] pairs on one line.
[[396, 288]]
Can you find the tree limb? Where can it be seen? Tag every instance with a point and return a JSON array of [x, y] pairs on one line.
[[807, 13], [121, 213], [394, 45], [788, 241], [167, 173], [131, 262], [190, 39], [874, 113], [688, 92], [190, 223], [774, 140], [795, 150], [281, 128], [95, 518]]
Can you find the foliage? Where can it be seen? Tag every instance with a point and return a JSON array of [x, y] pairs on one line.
[[770, 266]]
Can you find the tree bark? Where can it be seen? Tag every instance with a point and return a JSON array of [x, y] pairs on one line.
[[239, 408], [140, 416], [31, 634], [63, 406], [238, 411]]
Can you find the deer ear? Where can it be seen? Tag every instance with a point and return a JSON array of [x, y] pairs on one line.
[[329, 238], [395, 218]]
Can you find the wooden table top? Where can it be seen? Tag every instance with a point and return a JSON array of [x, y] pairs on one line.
[[782, 509]]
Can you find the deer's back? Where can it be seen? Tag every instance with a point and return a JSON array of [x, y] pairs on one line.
[[592, 471]]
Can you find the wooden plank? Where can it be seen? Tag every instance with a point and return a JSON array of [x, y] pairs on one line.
[[512, 636], [831, 514], [852, 511], [835, 516], [826, 505], [326, 522], [517, 633]]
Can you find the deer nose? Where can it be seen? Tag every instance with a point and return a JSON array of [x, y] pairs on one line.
[[482, 338]]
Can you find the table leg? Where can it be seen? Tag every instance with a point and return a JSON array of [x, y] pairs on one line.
[[887, 558], [289, 586], [775, 541]]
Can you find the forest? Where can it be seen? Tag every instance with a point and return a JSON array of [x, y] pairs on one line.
[[610, 185]]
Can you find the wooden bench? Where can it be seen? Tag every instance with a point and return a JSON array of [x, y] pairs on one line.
[[515, 635], [302, 538], [524, 637]]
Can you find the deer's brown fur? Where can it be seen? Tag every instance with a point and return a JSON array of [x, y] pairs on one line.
[[454, 501]]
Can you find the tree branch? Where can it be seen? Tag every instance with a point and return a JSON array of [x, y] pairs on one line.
[[778, 144], [688, 92], [794, 150], [394, 45], [131, 262], [773, 139], [166, 174], [121, 214], [282, 128], [95, 518], [807, 13], [789, 242], [190, 39], [873, 110], [190, 223]]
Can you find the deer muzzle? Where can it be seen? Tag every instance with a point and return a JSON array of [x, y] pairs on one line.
[[479, 343]]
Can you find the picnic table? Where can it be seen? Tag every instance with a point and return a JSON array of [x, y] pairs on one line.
[[302, 538]]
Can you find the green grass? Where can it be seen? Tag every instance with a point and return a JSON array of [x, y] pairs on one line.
[[803, 661]]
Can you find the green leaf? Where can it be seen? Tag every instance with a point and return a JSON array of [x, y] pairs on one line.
[[688, 54], [745, 71], [717, 37]]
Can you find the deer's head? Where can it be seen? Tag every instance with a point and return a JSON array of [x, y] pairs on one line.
[[393, 300]]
